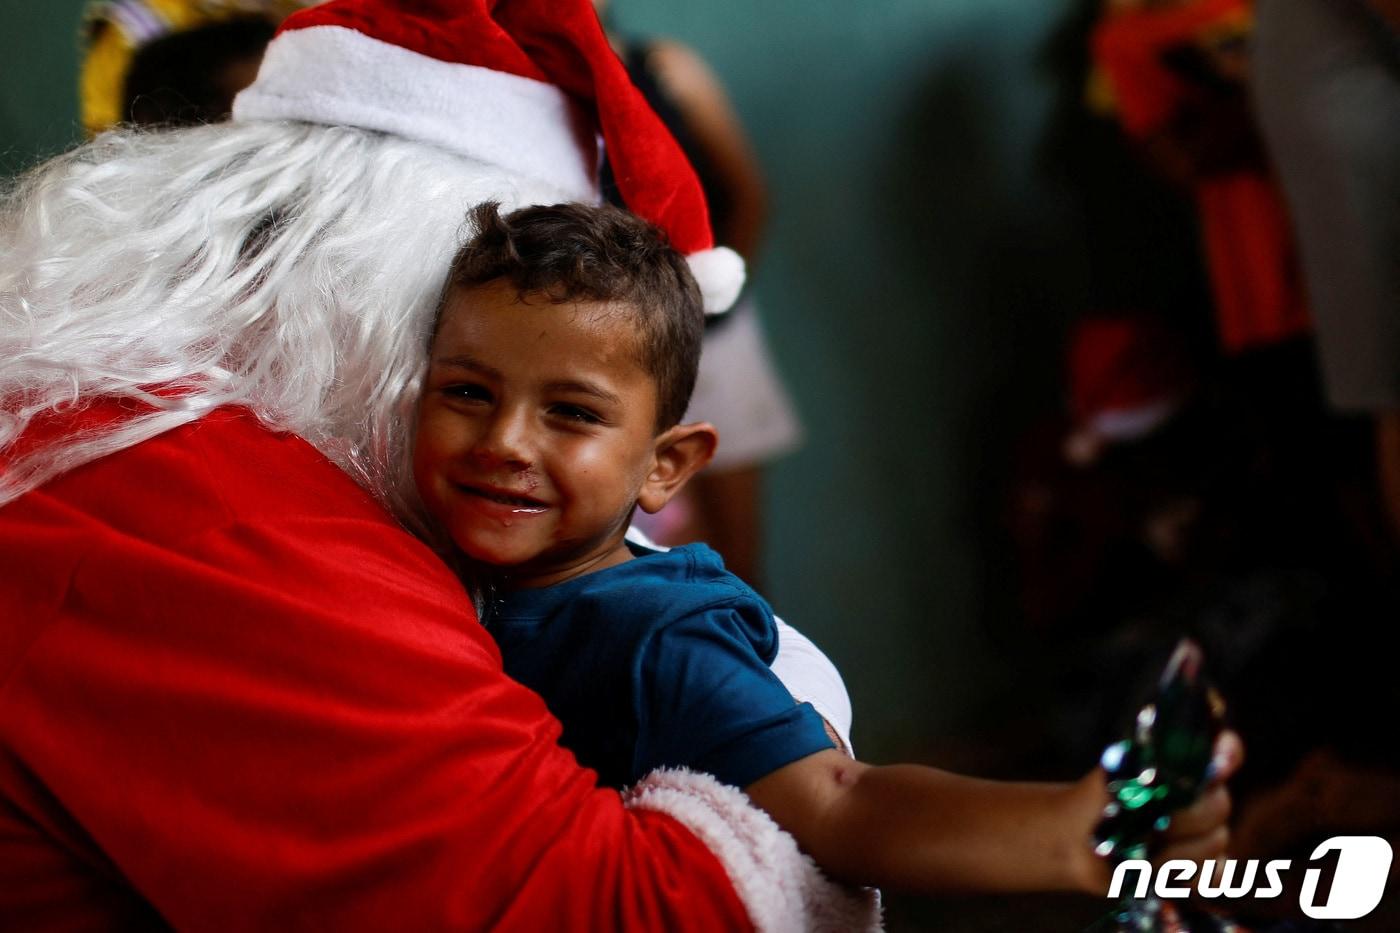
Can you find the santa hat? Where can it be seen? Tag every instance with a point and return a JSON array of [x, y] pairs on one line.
[[519, 84], [1128, 374]]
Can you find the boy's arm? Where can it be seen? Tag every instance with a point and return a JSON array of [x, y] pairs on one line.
[[920, 829]]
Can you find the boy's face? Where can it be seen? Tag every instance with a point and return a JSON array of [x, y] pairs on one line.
[[536, 432]]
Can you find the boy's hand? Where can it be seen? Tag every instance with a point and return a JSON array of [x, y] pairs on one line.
[[1198, 832], [1202, 831]]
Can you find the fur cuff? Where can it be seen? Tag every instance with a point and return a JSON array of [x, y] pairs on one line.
[[783, 889], [338, 76]]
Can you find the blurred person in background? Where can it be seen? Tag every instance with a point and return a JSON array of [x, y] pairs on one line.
[[1178, 74], [171, 62], [1327, 93], [1097, 525], [739, 389], [1166, 503]]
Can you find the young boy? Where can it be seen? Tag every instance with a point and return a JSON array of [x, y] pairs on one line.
[[560, 368]]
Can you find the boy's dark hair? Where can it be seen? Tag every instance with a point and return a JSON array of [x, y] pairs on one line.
[[572, 252]]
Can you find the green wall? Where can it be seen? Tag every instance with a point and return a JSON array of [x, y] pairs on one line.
[[38, 79], [915, 283]]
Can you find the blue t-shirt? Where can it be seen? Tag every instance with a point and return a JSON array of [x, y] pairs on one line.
[[659, 661]]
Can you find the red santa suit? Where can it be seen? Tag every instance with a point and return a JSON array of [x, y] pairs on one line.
[[237, 695], [235, 688]]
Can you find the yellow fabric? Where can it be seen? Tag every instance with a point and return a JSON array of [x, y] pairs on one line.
[[102, 78], [108, 48], [1099, 97]]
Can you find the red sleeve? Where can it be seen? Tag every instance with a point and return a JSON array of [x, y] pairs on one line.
[[296, 723]]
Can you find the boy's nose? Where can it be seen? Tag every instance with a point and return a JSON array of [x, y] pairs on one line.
[[504, 444]]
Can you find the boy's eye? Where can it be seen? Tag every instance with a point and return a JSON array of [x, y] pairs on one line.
[[467, 391], [575, 413]]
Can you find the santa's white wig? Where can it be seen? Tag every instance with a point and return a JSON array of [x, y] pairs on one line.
[[291, 268]]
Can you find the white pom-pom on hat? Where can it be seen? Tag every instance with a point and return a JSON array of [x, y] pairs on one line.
[[719, 271]]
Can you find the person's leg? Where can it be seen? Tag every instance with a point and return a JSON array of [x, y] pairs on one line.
[[1388, 463], [729, 503], [1327, 94], [740, 392]]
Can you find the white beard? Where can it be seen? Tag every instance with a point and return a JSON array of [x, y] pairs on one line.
[[127, 265]]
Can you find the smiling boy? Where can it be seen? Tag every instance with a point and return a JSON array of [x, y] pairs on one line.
[[560, 369], [555, 389]]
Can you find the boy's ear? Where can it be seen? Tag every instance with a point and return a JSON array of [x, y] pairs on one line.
[[680, 453]]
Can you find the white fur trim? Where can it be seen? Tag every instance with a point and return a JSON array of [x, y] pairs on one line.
[[337, 76], [1131, 424], [720, 275], [784, 890]]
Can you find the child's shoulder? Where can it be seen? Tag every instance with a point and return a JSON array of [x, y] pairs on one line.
[[659, 590], [685, 595], [658, 595], [694, 574]]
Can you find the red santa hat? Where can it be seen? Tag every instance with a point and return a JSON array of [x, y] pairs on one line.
[[519, 84], [1128, 374]]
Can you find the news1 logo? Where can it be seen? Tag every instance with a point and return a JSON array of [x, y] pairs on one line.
[[1358, 881]]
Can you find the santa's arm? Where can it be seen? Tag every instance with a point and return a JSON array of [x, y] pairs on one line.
[[297, 722]]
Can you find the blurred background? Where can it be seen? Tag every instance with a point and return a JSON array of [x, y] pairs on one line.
[[1038, 316]]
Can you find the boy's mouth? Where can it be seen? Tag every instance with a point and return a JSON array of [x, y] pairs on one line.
[[503, 497]]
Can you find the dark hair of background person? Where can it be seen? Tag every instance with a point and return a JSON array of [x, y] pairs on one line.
[[572, 252], [191, 77]]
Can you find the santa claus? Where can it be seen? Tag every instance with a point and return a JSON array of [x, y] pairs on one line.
[[240, 689]]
